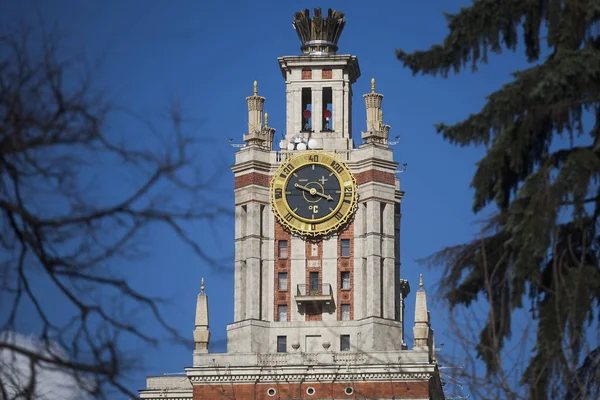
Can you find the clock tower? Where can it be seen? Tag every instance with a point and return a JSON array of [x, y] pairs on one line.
[[319, 303]]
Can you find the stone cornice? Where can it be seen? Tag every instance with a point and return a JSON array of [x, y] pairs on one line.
[[168, 393], [264, 203], [276, 376], [252, 166], [380, 199]]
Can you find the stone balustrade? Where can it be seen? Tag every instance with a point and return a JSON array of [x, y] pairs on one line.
[[302, 358]]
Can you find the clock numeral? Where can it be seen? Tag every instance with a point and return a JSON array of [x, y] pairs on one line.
[[288, 217], [278, 193], [339, 215], [286, 171], [347, 192], [337, 167], [314, 158], [313, 227]]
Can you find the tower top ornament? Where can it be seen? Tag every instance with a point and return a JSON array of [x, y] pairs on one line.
[[319, 36]]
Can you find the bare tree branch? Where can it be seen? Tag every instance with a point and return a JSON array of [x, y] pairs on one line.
[[55, 140]]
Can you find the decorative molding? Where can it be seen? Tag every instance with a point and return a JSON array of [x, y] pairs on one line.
[[272, 359], [265, 203], [161, 397], [309, 376], [371, 198]]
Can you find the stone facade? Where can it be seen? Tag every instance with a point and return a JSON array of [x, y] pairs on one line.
[[347, 339]]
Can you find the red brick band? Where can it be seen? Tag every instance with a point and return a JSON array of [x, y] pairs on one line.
[[323, 390], [374, 175], [253, 178]]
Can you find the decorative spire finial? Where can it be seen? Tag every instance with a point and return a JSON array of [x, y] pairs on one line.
[[420, 280], [266, 119], [255, 88], [320, 33], [372, 85], [201, 333]]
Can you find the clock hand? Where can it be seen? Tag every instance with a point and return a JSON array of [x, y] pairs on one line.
[[299, 186], [325, 196], [313, 191]]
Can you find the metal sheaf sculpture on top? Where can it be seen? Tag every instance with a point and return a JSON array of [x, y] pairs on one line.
[[319, 35]]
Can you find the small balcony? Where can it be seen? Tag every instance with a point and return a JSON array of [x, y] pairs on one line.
[[314, 293]]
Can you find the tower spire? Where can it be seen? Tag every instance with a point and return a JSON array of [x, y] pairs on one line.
[[258, 134], [201, 333], [377, 131], [256, 104], [422, 332]]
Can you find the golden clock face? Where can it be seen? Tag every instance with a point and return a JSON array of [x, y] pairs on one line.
[[313, 193]]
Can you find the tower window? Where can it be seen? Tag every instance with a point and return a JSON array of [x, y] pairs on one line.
[[345, 247], [306, 109], [282, 249], [282, 312], [344, 342], [307, 74], [345, 312], [345, 279], [282, 281], [327, 109], [282, 344], [327, 74]]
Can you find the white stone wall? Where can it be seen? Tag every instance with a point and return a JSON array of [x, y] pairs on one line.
[[344, 72], [369, 334]]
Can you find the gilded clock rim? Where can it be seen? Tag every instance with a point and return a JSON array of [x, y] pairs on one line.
[[337, 206], [332, 222]]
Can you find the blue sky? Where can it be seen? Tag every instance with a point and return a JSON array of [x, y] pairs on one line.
[[207, 54]]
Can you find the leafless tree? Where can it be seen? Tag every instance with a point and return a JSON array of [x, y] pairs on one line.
[[57, 227]]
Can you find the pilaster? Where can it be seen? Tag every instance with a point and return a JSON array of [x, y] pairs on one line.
[[298, 260], [317, 108], [389, 276], [330, 257], [346, 122], [372, 249], [360, 288]]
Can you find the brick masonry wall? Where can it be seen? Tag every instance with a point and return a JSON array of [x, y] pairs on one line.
[[323, 390], [327, 74], [252, 178], [282, 265], [345, 264], [306, 74], [374, 175]]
